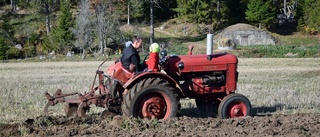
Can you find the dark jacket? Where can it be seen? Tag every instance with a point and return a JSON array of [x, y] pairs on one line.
[[130, 56]]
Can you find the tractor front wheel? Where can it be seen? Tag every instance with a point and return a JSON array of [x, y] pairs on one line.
[[234, 105], [151, 98]]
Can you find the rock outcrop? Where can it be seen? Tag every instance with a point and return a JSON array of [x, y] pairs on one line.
[[243, 34]]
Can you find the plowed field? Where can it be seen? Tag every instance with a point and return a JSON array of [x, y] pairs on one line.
[[284, 94], [295, 125]]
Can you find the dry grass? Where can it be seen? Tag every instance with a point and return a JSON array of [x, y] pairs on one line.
[[281, 85], [23, 86], [272, 85]]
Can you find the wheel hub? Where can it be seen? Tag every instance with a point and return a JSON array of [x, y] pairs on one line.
[[237, 110], [154, 107]]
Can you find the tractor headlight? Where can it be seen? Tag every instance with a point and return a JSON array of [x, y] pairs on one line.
[[181, 65], [163, 53]]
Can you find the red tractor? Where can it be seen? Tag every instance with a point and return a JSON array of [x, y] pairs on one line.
[[209, 79]]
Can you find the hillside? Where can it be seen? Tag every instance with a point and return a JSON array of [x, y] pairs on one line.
[[283, 43], [28, 28]]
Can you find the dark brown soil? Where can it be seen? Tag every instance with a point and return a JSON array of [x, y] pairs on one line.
[[295, 125]]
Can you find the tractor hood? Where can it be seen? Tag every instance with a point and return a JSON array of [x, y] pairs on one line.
[[201, 63]]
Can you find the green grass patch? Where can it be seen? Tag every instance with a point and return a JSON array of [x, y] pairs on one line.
[[179, 49], [296, 41], [276, 51]]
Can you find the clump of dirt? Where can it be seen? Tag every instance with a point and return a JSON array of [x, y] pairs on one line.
[[276, 125]]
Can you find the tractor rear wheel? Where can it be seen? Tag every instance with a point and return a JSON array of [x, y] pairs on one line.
[[151, 98], [234, 105]]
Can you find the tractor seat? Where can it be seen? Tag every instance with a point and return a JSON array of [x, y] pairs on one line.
[[127, 73]]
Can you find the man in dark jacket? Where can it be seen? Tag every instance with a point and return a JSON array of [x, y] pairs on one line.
[[130, 57]]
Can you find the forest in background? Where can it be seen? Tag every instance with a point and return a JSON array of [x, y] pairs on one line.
[[30, 28]]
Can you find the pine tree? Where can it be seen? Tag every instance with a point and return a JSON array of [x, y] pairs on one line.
[[260, 11], [310, 20], [235, 11], [62, 35], [182, 7], [136, 8], [195, 10], [202, 12], [163, 9], [5, 38], [3, 48]]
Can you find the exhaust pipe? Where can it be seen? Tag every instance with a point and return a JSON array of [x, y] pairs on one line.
[[209, 46]]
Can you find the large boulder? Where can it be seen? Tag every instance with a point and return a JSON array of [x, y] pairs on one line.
[[243, 34]]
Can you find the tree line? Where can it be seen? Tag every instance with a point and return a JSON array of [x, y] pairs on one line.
[[94, 25]]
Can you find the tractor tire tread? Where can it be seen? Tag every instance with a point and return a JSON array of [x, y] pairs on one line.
[[149, 82]]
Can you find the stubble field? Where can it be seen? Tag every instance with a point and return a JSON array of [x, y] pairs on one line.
[[284, 94]]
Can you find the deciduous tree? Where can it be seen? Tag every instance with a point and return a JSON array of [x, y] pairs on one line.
[[83, 27], [46, 7]]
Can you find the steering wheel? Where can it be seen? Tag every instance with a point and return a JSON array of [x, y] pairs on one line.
[[145, 58], [143, 62]]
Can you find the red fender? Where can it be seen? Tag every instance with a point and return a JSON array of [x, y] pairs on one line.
[[145, 75]]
